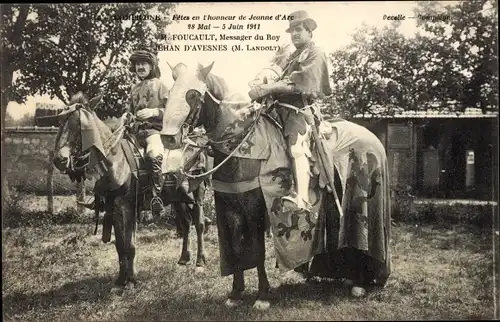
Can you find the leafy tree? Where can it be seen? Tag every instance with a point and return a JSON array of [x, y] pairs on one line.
[[83, 48], [470, 33], [380, 68], [60, 49], [14, 21], [451, 63]]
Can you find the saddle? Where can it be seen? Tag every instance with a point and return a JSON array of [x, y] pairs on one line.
[[183, 156]]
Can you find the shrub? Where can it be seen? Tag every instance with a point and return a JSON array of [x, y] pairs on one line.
[[12, 204], [446, 214], [402, 200], [16, 215]]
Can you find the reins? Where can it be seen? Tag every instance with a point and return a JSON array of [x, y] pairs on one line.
[[210, 142], [250, 131]]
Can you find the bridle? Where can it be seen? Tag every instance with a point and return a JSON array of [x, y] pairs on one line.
[[77, 160], [249, 131]]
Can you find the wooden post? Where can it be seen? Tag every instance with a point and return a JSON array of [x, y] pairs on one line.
[[80, 196], [50, 184]]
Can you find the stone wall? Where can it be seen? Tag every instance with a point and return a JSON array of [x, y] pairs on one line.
[[26, 154]]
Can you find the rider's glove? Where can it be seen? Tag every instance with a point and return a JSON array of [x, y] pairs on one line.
[[259, 91], [147, 113], [281, 87], [266, 76]]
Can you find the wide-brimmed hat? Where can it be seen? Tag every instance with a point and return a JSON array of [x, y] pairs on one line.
[[301, 16], [144, 55]]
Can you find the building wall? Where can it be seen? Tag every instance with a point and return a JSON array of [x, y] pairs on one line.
[[434, 163], [26, 155]]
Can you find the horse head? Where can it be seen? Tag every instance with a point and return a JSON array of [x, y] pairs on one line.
[[71, 153], [186, 95]]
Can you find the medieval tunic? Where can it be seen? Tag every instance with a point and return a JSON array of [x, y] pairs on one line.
[[307, 69], [149, 93]]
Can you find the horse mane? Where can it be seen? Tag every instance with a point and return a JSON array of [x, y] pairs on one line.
[[218, 86]]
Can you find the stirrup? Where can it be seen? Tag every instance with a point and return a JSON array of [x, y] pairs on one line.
[[156, 206]]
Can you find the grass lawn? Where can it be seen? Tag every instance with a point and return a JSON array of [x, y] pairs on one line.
[[61, 272]]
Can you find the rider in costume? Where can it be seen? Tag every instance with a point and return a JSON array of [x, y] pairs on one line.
[[147, 102], [304, 79]]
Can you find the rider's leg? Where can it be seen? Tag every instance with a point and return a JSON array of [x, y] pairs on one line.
[[154, 153]]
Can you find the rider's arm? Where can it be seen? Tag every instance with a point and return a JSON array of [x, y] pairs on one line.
[[128, 109], [311, 77], [280, 87], [162, 98]]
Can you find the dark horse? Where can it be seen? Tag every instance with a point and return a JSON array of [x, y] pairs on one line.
[[241, 213], [86, 147]]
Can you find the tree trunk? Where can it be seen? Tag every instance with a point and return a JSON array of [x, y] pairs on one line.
[[7, 79], [14, 36]]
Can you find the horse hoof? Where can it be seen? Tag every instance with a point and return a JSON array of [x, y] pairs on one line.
[[183, 262], [358, 292], [232, 303], [261, 305], [117, 290], [130, 286]]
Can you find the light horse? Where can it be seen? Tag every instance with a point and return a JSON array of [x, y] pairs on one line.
[[86, 147], [362, 167]]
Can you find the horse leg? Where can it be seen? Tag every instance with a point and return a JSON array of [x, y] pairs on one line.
[[199, 223], [118, 226], [184, 218], [262, 302], [129, 241], [235, 297]]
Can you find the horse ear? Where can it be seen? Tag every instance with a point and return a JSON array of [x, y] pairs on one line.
[[205, 70], [93, 102]]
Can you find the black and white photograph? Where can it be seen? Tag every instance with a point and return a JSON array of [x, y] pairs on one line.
[[250, 161]]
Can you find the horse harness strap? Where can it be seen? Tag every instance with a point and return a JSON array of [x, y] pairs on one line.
[[250, 131], [134, 158]]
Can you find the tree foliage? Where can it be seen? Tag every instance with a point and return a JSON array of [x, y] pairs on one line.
[[81, 47], [451, 63], [471, 38], [26, 120]]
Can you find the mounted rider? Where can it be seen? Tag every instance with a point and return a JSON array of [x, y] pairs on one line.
[[147, 102], [304, 79]]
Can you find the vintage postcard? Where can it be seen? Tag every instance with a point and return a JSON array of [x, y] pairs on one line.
[[250, 161]]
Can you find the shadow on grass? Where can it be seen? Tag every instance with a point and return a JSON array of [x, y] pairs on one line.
[[322, 291], [189, 308], [90, 290], [209, 306]]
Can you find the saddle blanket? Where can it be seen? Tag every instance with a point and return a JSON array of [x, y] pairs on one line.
[[360, 160], [297, 237]]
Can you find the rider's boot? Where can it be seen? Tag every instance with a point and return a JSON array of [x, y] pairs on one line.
[[157, 184], [299, 152], [302, 179]]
